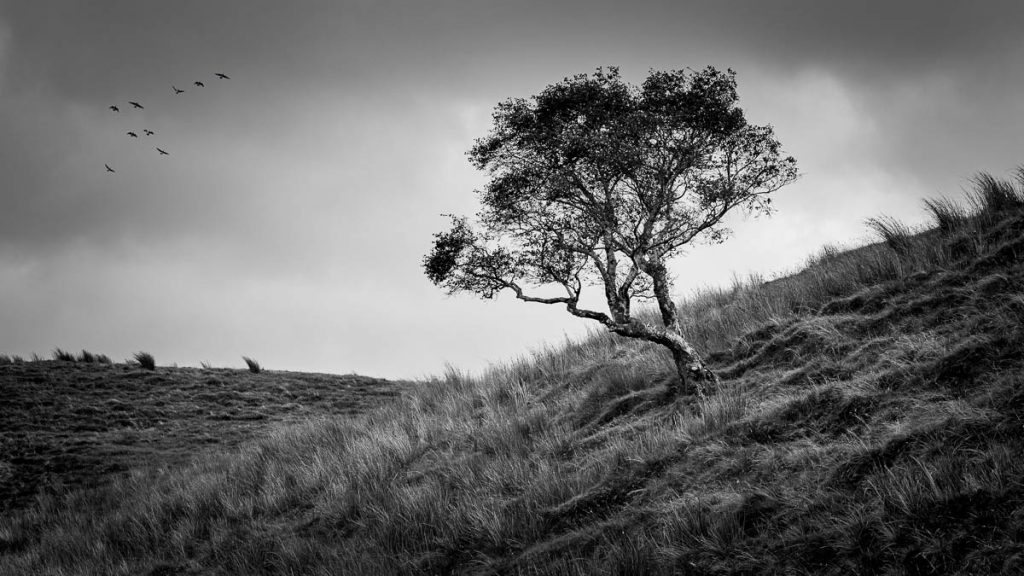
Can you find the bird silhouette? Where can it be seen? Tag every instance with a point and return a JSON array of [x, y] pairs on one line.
[[222, 76], [176, 90], [148, 132], [115, 108], [161, 152], [200, 84], [133, 134], [136, 105], [109, 169]]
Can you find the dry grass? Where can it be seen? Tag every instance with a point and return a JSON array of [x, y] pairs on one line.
[[868, 422]]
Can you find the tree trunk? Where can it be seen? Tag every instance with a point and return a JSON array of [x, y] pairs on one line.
[[693, 373]]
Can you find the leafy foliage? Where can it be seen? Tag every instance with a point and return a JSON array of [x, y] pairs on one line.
[[598, 182]]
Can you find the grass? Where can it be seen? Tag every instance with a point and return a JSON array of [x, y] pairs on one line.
[[63, 356], [145, 359], [66, 426], [253, 365], [867, 422]]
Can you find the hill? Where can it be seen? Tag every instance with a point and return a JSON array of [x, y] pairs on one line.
[[71, 424], [870, 420]]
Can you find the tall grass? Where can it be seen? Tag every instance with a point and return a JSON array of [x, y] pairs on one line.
[[63, 355], [145, 360], [896, 234], [253, 365], [949, 215]]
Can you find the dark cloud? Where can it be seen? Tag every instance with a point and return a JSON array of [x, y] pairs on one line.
[[310, 183]]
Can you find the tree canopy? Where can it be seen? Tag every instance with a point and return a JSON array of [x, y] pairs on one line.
[[596, 182]]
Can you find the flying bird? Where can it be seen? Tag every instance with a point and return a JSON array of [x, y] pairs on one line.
[[161, 152], [136, 105], [176, 90], [200, 84], [115, 108], [133, 134], [148, 132], [109, 169], [222, 76]]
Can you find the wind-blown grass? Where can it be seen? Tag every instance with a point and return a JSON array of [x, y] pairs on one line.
[[253, 365], [868, 421], [63, 355], [145, 359]]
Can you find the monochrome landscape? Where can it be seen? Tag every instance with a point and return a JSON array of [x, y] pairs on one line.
[[511, 288]]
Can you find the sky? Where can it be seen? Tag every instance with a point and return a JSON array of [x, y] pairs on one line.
[[289, 220]]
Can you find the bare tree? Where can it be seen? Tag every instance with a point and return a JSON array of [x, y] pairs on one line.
[[596, 182]]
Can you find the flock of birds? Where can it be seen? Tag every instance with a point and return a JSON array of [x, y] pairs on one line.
[[148, 132]]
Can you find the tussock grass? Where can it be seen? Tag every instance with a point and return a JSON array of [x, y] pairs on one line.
[[896, 234], [63, 355], [949, 215], [145, 360], [253, 365], [868, 421]]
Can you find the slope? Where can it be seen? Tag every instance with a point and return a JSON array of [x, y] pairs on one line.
[[869, 421]]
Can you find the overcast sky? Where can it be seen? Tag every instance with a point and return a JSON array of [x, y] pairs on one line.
[[289, 220]]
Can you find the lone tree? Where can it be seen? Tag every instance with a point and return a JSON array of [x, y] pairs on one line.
[[595, 181]]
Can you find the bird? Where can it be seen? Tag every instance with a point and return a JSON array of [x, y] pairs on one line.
[[148, 132], [136, 105], [109, 169], [161, 152], [115, 108], [133, 134], [222, 76], [176, 90], [200, 84]]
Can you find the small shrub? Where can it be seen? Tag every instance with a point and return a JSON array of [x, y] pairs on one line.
[[145, 359], [87, 357], [63, 355], [253, 365], [896, 234]]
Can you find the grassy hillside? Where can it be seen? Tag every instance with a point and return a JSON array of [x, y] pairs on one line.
[[76, 422], [870, 420]]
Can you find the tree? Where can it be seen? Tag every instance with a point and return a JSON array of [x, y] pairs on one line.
[[596, 182]]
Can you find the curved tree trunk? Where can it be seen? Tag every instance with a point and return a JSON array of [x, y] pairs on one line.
[[693, 373]]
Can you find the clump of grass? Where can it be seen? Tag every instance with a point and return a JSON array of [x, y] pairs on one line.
[[949, 215], [87, 357], [145, 359], [36, 357], [896, 234], [995, 196], [253, 365], [5, 359], [63, 355], [103, 359], [206, 365]]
